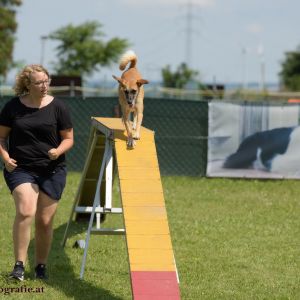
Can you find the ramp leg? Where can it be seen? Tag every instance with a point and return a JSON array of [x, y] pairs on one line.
[[96, 203], [108, 181], [90, 153]]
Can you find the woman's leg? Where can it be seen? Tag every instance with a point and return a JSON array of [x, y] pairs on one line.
[[25, 196], [46, 208]]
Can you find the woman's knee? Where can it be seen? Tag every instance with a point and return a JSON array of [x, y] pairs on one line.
[[25, 197], [43, 222], [25, 213], [46, 209], [26, 210]]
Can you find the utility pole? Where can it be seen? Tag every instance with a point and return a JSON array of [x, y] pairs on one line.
[[260, 52], [43, 44], [244, 68], [189, 26], [189, 30]]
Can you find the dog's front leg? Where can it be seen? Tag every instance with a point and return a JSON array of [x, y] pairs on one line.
[[139, 120], [130, 141], [134, 120]]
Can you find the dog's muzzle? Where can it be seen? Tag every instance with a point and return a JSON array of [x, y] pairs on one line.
[[130, 98], [130, 101]]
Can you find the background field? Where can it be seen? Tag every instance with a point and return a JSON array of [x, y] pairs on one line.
[[233, 239]]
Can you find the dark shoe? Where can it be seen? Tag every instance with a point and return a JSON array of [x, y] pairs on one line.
[[18, 271], [40, 272]]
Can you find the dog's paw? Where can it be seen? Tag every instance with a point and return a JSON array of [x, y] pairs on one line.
[[136, 136], [130, 143]]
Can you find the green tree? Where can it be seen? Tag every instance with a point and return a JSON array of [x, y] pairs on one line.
[[81, 49], [290, 73], [179, 78], [8, 27]]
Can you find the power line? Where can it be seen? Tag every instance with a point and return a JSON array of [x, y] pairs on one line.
[[189, 30]]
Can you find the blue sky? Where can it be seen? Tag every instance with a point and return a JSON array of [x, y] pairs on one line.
[[230, 41]]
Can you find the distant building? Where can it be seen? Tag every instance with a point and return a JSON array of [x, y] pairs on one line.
[[66, 85]]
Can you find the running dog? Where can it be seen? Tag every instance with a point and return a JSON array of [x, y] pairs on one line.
[[131, 96]]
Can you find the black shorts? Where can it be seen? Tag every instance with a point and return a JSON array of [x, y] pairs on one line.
[[52, 184]]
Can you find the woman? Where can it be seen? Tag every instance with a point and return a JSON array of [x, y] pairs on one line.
[[39, 131]]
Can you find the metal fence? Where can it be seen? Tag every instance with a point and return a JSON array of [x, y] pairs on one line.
[[181, 128]]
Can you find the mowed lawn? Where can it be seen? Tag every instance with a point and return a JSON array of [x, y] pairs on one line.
[[233, 239]]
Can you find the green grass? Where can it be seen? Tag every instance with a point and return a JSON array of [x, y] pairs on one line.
[[233, 239]]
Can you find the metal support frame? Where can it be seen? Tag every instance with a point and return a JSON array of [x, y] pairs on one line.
[[96, 209], [107, 165], [93, 141]]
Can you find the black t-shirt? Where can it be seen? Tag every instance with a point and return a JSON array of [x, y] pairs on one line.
[[34, 131]]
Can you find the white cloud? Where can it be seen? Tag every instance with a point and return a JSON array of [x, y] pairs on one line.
[[201, 3], [254, 28]]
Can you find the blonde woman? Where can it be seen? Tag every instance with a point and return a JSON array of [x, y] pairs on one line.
[[35, 132]]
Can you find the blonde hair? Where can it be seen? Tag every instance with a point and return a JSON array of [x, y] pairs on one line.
[[23, 78]]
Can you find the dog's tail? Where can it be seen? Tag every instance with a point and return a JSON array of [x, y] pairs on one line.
[[127, 57]]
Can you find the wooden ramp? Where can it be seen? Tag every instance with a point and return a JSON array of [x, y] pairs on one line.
[[151, 259]]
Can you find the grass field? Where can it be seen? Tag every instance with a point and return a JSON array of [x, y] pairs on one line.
[[233, 239]]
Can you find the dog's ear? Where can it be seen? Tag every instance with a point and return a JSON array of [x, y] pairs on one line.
[[140, 82], [120, 80]]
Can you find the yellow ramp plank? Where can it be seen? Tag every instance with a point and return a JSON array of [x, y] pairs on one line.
[[139, 173], [147, 227], [141, 186], [136, 164], [142, 182], [135, 241], [151, 256], [137, 156], [145, 213], [137, 161], [142, 199]]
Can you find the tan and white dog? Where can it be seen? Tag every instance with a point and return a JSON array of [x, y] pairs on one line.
[[131, 96]]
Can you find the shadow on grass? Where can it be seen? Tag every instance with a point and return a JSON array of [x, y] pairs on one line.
[[61, 273]]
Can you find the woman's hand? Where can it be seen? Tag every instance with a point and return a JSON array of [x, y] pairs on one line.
[[53, 154], [10, 164], [65, 145]]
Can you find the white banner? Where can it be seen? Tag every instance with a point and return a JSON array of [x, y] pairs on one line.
[[253, 141]]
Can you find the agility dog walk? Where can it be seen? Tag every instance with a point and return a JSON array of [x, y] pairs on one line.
[[151, 259]]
